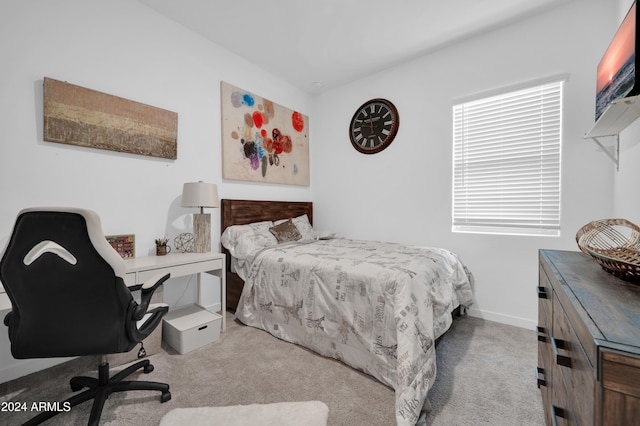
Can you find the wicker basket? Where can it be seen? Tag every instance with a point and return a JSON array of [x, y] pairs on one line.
[[614, 244]]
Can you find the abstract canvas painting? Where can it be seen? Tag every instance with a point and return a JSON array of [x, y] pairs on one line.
[[79, 116], [261, 140]]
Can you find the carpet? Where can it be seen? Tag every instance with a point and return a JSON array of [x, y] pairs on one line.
[[307, 413], [486, 377]]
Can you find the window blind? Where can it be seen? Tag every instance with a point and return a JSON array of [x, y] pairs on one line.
[[506, 162]]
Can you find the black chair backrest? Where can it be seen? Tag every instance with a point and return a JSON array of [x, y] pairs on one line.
[[61, 307]]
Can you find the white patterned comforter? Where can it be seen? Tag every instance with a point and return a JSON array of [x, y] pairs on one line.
[[377, 307]]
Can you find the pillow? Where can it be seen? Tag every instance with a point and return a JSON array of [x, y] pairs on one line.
[[303, 225], [243, 241], [323, 235], [285, 232]]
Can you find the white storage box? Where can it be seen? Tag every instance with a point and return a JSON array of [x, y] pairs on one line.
[[190, 327]]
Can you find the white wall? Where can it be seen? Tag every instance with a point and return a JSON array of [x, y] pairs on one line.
[[626, 192], [627, 179], [123, 48], [403, 193]]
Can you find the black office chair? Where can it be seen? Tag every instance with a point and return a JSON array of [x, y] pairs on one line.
[[68, 297]]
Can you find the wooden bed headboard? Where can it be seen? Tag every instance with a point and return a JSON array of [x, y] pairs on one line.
[[242, 212]]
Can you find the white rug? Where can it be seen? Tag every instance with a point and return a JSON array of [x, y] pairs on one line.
[[307, 413]]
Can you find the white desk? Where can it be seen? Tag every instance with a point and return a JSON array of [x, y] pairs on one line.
[[179, 264]]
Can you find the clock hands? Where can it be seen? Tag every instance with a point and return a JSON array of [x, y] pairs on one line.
[[370, 121]]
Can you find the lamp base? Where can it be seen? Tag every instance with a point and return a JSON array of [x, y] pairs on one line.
[[202, 232]]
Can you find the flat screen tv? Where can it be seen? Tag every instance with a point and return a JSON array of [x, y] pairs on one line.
[[616, 75]]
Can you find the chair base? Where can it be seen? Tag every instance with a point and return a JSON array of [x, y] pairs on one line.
[[100, 388]]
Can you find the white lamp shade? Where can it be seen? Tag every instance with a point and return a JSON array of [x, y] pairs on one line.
[[200, 194]]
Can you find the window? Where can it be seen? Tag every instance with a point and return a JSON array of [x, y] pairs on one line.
[[506, 162]]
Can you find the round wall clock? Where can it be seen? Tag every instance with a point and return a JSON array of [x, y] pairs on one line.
[[374, 126]]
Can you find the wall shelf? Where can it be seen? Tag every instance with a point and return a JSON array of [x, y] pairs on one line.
[[615, 118]]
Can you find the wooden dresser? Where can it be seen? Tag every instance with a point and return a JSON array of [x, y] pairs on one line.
[[588, 342]]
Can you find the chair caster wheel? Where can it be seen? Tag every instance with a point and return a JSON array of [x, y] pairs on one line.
[[76, 388], [166, 396], [148, 368]]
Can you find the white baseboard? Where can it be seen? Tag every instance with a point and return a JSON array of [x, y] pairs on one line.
[[23, 367], [503, 319]]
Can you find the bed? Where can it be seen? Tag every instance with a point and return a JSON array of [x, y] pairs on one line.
[[376, 306]]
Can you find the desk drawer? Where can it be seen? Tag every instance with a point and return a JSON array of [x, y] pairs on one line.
[[130, 279], [182, 270]]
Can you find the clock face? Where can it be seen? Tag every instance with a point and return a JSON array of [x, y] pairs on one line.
[[374, 126]]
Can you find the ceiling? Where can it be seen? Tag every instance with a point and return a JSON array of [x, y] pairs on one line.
[[319, 44]]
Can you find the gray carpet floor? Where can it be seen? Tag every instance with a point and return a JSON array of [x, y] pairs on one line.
[[486, 376]]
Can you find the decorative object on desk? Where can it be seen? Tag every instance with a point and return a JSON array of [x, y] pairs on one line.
[[201, 194], [161, 246], [614, 244], [79, 116], [184, 242], [261, 140], [123, 244]]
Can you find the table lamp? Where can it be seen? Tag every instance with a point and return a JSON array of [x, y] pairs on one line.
[[200, 194]]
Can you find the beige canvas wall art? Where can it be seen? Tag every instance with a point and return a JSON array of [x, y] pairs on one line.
[[79, 116]]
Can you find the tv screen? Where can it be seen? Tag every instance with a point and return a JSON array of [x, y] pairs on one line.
[[616, 75]]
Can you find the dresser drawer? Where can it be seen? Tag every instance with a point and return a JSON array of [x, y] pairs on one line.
[[576, 373], [621, 373], [545, 353], [544, 376], [621, 383], [545, 298], [557, 412]]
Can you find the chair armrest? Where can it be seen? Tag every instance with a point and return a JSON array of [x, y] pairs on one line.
[[150, 285], [148, 288], [153, 309], [141, 329]]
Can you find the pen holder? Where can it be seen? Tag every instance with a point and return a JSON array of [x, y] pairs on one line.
[[161, 250]]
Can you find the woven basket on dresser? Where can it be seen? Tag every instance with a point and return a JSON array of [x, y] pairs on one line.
[[618, 253]]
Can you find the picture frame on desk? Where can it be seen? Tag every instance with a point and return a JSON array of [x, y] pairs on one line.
[[125, 245]]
